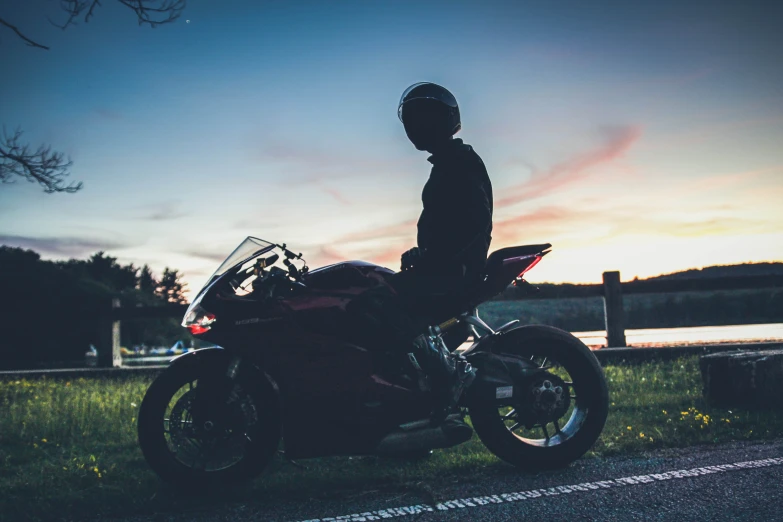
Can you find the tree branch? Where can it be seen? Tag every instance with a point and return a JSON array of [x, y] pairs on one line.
[[43, 166], [74, 8], [29, 42], [145, 10], [151, 12]]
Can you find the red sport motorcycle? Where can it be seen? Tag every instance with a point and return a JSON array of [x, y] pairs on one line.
[[290, 375]]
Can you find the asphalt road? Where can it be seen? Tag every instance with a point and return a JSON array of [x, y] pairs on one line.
[[730, 482]]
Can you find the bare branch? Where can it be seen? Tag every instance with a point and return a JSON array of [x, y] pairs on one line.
[[75, 8], [43, 166], [152, 12], [155, 12], [92, 8], [29, 42]]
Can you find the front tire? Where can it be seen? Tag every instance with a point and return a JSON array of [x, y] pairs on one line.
[[586, 415], [169, 438]]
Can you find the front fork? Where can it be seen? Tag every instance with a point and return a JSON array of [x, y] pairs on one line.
[[213, 392]]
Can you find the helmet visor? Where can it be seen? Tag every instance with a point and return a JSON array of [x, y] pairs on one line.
[[426, 90]]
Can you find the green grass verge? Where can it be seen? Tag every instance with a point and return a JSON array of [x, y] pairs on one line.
[[68, 448]]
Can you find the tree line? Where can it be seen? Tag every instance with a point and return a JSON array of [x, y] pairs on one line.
[[50, 306]]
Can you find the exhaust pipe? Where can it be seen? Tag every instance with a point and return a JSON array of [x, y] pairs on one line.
[[420, 435]]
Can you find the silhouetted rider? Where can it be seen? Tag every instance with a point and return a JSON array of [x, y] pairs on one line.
[[455, 226], [454, 233]]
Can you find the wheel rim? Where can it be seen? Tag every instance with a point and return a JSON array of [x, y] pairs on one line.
[[210, 445], [547, 428]]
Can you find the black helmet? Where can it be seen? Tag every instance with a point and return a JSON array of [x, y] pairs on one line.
[[431, 91]]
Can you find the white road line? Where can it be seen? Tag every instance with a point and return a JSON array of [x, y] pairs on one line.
[[471, 502]]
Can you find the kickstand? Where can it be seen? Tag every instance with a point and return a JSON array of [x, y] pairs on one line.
[[291, 461]]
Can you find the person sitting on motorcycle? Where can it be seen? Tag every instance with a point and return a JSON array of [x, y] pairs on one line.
[[454, 228]]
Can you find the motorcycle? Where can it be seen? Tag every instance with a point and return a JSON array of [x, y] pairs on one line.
[[286, 372]]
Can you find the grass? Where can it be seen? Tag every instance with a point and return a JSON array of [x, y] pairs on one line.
[[68, 448]]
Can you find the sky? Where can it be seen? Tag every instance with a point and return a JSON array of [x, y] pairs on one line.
[[644, 137]]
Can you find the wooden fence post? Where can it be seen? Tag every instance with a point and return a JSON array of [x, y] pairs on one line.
[[109, 349], [613, 310]]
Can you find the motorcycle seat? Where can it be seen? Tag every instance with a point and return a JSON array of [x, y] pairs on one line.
[[496, 277]]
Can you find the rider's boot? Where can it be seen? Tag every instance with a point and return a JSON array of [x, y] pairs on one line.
[[449, 375]]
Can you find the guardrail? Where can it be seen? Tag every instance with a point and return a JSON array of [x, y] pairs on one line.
[[612, 291], [604, 355]]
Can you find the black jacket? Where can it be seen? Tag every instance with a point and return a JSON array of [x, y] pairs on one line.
[[455, 226]]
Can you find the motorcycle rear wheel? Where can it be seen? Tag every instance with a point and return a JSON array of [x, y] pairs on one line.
[[582, 423], [168, 436]]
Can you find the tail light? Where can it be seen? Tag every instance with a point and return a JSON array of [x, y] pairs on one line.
[[533, 263]]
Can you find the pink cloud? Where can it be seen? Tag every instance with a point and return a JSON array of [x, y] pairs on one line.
[[396, 231], [546, 221], [326, 255], [337, 195], [547, 224], [617, 142], [389, 258], [731, 179], [557, 224]]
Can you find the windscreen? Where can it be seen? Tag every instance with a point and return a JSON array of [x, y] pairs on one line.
[[250, 247]]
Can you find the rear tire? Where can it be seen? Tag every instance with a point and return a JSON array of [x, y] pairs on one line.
[[588, 378], [259, 446]]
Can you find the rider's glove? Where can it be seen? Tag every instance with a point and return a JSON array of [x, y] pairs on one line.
[[410, 258]]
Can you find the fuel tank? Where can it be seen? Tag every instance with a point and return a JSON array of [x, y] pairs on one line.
[[349, 277], [323, 308]]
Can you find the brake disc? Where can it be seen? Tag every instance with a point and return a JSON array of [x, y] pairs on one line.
[[214, 441], [546, 400]]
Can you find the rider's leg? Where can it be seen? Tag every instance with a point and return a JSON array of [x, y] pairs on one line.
[[434, 296], [396, 321]]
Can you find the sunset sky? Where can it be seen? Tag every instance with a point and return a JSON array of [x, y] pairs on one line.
[[645, 137]]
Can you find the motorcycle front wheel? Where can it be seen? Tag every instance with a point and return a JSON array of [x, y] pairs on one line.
[[558, 416], [185, 448]]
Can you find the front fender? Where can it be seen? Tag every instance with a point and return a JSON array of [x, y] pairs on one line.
[[216, 358], [200, 356]]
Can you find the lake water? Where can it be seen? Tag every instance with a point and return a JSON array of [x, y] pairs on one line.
[[648, 337], [690, 335]]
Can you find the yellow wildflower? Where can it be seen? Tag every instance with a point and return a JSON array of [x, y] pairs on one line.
[[629, 428], [641, 435], [44, 441]]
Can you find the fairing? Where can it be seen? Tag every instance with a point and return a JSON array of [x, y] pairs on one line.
[[304, 336]]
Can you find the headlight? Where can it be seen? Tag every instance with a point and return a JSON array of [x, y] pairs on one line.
[[197, 319]]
